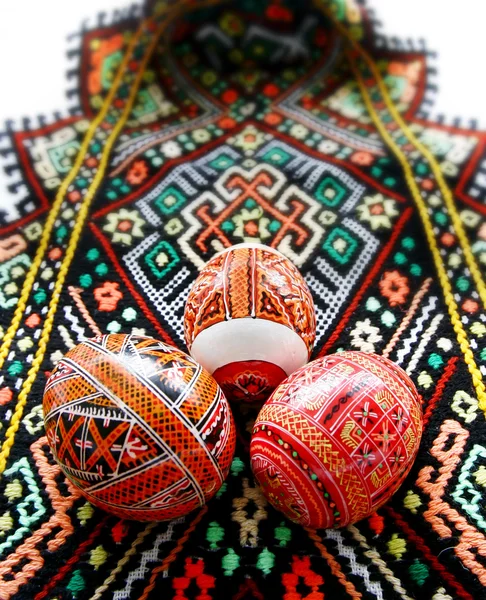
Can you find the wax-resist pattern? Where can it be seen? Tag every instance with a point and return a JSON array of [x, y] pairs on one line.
[[336, 439], [251, 282], [258, 284], [138, 426]]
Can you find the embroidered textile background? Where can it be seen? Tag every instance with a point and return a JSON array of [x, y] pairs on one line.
[[203, 124]]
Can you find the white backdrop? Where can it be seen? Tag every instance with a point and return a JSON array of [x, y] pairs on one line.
[[33, 49]]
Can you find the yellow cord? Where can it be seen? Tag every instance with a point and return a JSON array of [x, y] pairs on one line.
[[63, 271], [429, 231], [56, 206], [73, 242], [444, 188]]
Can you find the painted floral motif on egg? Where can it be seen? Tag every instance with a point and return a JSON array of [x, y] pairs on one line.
[[250, 320], [336, 439], [138, 426]]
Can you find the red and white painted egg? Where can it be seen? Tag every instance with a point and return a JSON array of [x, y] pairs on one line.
[[138, 427], [336, 439], [250, 320]]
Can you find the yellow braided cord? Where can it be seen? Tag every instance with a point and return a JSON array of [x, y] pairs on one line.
[[76, 233], [429, 231], [63, 271], [426, 153], [53, 213], [437, 171]]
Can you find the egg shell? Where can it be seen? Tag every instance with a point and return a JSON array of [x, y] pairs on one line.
[[250, 320], [336, 439], [138, 426]]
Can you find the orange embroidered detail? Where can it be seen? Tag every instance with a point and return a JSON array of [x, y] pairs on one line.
[[55, 254], [5, 396], [74, 196], [108, 295], [138, 172], [440, 513], [75, 294], [11, 246], [448, 239], [394, 287], [362, 158], [28, 553], [226, 123], [428, 184], [91, 162], [470, 306], [272, 119], [33, 320], [105, 49]]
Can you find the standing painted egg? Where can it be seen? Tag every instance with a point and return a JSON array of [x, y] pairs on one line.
[[139, 427], [250, 320], [336, 439]]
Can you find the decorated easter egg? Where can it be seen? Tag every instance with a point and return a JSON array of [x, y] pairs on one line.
[[138, 426], [336, 439], [250, 320]]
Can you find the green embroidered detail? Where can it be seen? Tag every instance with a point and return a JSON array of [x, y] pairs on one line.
[[214, 534], [415, 270], [162, 259], [230, 562], [31, 509], [283, 534], [419, 572], [101, 269], [340, 245], [435, 360], [276, 156], [113, 327], [388, 318], [470, 498], [170, 200], [222, 490], [221, 162], [330, 192], [400, 258], [462, 284], [237, 466], [266, 561], [76, 584], [408, 243], [129, 314], [373, 304], [92, 254], [85, 280], [40, 297], [440, 218], [15, 368]]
